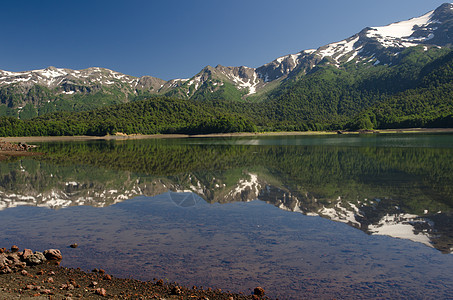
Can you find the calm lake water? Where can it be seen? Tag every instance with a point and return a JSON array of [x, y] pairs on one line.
[[366, 216]]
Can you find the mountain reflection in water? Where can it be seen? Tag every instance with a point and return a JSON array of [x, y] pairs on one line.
[[373, 184], [187, 210]]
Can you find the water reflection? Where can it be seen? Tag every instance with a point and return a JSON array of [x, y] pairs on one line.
[[186, 210], [404, 192], [185, 199]]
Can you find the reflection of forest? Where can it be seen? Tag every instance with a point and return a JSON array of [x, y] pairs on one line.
[[326, 172], [368, 183]]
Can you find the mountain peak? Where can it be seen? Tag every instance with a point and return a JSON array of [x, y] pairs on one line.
[[444, 12], [446, 5], [50, 68]]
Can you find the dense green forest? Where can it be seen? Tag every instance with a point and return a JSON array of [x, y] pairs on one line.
[[157, 115], [415, 91]]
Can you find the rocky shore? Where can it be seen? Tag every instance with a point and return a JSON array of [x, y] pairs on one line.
[[38, 275], [8, 149]]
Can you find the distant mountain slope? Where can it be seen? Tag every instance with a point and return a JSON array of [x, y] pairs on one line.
[[428, 104], [334, 82]]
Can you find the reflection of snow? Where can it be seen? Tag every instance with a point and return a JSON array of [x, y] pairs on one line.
[[56, 203], [198, 189], [399, 226], [341, 214], [243, 184], [61, 198]]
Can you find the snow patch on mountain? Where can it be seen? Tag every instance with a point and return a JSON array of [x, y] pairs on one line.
[[243, 81], [250, 84], [174, 83], [401, 34], [401, 29], [281, 66], [52, 72], [340, 49]]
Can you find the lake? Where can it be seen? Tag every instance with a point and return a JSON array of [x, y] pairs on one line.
[[347, 216]]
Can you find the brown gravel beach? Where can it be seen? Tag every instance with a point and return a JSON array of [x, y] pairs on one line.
[[37, 275]]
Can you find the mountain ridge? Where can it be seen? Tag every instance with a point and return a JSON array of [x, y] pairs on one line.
[[31, 93]]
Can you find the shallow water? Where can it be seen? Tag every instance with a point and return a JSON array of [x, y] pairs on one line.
[[324, 226]]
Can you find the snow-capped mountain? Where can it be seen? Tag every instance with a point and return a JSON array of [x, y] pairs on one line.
[[381, 44], [373, 45], [68, 81]]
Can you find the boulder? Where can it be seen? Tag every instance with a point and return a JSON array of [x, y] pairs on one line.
[[4, 261], [259, 291], [53, 254], [14, 258], [27, 252], [35, 259]]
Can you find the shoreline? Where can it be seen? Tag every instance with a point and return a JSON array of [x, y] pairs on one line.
[[120, 137], [38, 275]]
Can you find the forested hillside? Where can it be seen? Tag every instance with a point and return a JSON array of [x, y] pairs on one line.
[[156, 115]]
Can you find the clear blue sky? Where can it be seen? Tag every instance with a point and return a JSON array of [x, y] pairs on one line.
[[176, 39]]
